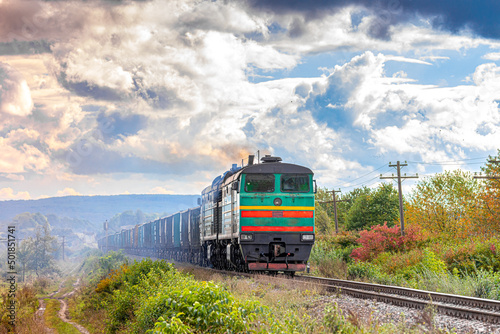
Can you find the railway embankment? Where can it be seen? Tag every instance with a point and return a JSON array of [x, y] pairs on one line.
[[132, 297]]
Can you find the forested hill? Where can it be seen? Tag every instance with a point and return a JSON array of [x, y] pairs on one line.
[[97, 209]]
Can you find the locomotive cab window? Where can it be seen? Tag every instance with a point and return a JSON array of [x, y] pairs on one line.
[[259, 183], [295, 183]]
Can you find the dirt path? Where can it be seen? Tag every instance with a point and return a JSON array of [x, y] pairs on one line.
[[62, 315], [39, 316], [63, 310]]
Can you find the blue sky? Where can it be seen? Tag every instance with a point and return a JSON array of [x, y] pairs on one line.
[[116, 97]]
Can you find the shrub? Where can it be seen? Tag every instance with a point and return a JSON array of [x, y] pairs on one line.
[[382, 238], [346, 239], [430, 263], [473, 255], [367, 272], [199, 307]]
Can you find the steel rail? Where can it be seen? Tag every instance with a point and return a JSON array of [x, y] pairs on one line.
[[484, 309], [401, 297]]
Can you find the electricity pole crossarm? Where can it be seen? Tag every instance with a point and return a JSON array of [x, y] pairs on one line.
[[489, 177], [398, 165]]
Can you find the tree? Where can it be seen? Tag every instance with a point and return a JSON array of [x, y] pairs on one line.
[[446, 203], [491, 196], [322, 221], [36, 253], [373, 208], [343, 207]]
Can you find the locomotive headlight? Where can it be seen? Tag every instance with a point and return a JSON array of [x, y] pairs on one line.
[[246, 237], [307, 237]]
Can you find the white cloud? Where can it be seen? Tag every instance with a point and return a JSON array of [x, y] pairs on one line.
[[15, 177], [67, 192], [492, 56], [161, 190], [7, 194], [15, 95], [431, 121], [406, 60], [434, 58], [17, 155]]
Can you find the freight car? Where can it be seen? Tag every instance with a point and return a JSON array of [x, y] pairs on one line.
[[254, 218]]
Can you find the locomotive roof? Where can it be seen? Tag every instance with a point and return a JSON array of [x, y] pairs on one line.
[[269, 168], [276, 168], [262, 168]]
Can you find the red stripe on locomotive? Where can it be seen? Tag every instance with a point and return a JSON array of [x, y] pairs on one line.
[[277, 228], [273, 214]]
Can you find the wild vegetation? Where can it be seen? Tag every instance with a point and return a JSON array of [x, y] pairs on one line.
[[155, 297], [451, 242]]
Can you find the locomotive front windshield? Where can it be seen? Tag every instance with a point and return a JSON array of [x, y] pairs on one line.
[[295, 183], [259, 183]]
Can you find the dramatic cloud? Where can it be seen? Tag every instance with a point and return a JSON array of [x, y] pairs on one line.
[[15, 96], [452, 15], [428, 121], [167, 94]]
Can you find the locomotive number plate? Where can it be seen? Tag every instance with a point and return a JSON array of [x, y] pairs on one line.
[[277, 214]]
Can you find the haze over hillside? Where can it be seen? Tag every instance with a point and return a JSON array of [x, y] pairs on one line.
[[96, 209], [79, 218]]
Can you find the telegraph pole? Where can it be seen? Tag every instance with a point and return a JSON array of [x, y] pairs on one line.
[[106, 228], [334, 201], [63, 247], [398, 166]]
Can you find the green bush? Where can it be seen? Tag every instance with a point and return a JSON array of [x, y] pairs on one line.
[[367, 271], [200, 307], [153, 296], [431, 263], [472, 256]]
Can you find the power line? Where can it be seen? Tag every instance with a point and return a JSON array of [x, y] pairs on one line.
[[451, 162], [362, 176], [362, 183]]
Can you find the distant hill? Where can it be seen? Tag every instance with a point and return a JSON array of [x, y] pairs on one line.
[[96, 209]]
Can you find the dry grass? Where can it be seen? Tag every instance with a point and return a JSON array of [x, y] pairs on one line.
[[31, 325], [334, 268], [93, 320], [26, 307]]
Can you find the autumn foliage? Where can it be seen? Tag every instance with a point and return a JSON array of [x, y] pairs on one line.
[[381, 238], [491, 197]]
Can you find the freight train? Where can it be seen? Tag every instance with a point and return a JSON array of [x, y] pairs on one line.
[[259, 217]]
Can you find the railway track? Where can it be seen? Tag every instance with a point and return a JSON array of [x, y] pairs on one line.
[[470, 308]]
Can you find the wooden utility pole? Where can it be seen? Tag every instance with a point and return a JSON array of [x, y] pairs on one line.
[[398, 165], [106, 228], [334, 201], [63, 247]]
